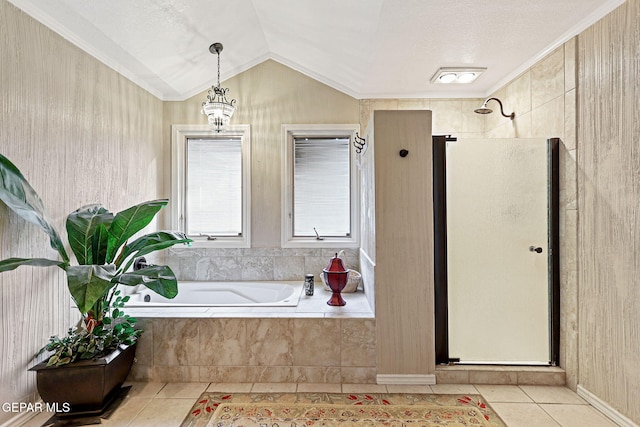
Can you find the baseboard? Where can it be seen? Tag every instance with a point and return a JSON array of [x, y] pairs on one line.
[[605, 408], [20, 419], [410, 379]]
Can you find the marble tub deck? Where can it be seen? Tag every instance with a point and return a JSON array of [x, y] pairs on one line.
[[314, 306]]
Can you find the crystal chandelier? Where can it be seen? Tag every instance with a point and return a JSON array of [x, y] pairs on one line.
[[217, 108]]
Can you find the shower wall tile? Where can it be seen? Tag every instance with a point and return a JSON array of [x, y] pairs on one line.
[[569, 239], [518, 95], [522, 126], [447, 116], [270, 342], [548, 119], [570, 122], [504, 130], [496, 120], [570, 60], [385, 104], [472, 123], [414, 104], [568, 178], [547, 78]]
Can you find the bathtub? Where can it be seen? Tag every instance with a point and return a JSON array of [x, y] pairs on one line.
[[223, 294]]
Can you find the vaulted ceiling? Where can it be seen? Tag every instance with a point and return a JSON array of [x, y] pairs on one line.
[[365, 48]]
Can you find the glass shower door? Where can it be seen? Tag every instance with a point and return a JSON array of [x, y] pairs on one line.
[[497, 251]]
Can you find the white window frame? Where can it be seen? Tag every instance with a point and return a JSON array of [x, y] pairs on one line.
[[289, 133], [179, 136]]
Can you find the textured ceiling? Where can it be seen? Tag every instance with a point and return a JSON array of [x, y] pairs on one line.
[[365, 48]]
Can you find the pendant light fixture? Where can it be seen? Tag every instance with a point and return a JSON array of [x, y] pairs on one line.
[[218, 110]]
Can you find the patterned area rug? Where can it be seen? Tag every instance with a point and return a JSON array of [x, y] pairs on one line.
[[340, 410]]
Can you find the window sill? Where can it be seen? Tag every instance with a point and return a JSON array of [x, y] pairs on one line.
[[220, 242], [326, 242]]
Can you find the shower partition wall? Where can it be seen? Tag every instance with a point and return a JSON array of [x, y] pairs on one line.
[[496, 232]]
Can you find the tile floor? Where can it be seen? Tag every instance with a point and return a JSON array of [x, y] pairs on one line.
[[166, 404]]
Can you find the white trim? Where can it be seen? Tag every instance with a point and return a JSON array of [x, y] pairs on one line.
[[605, 408], [19, 420], [594, 17], [289, 132], [406, 379], [179, 136]]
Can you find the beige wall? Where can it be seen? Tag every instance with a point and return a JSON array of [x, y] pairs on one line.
[[403, 242], [80, 133], [609, 203], [108, 133], [268, 96]]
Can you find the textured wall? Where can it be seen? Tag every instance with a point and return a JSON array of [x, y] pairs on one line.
[[609, 202], [80, 133], [404, 241]]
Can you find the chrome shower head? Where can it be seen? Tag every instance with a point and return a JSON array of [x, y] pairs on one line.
[[486, 110]]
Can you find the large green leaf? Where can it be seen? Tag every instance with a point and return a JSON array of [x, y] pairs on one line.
[[20, 197], [100, 239], [150, 243], [128, 222], [83, 229], [13, 263], [158, 278], [88, 283]]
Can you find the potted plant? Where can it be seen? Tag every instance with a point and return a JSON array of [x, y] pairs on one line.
[[105, 335]]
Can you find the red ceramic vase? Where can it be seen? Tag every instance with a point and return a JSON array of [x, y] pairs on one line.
[[336, 277]]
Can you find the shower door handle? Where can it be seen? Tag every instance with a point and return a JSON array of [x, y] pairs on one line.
[[536, 249]]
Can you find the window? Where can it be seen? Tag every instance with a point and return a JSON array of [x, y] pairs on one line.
[[211, 185], [320, 194]]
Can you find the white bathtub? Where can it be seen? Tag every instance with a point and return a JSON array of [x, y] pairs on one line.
[[224, 294]]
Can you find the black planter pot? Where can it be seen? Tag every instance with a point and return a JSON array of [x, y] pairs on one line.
[[85, 387]]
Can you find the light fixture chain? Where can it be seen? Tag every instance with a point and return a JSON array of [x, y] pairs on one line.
[[218, 69]]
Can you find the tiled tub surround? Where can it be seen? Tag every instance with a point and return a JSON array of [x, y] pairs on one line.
[[310, 343], [252, 263]]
